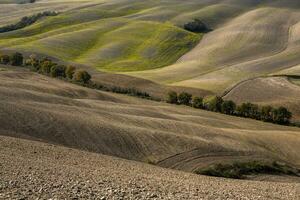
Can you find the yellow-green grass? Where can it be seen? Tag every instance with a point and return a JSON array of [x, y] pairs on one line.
[[145, 39], [257, 43], [104, 39], [146, 35]]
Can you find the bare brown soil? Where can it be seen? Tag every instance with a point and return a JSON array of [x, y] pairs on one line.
[[34, 170]]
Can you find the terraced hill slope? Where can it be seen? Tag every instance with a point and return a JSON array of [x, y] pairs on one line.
[[40, 108]]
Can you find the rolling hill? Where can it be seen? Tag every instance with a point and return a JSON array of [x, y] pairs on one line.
[[55, 131], [50, 171], [40, 108], [145, 39]]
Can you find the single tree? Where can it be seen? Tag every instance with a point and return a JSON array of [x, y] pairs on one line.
[[197, 102], [266, 113], [249, 110], [184, 98], [281, 115], [172, 97], [70, 70], [46, 66], [4, 59], [228, 107], [213, 103], [196, 26], [82, 76], [58, 71], [16, 59]]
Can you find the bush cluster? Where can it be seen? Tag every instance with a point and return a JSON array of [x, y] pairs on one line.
[[15, 59], [47, 67], [196, 26], [238, 170], [279, 115], [26, 21]]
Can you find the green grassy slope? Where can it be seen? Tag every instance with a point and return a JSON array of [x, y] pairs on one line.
[[145, 38], [109, 39]]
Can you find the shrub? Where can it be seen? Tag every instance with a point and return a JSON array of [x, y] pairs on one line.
[[58, 71], [266, 113], [70, 70], [196, 26], [129, 91], [228, 107], [249, 110], [197, 102], [82, 76], [184, 98], [33, 62], [16, 59], [172, 97], [46, 66], [281, 115], [213, 103], [4, 59], [239, 169]]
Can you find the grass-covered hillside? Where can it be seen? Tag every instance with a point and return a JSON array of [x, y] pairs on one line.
[[118, 36], [112, 36], [250, 38], [146, 39]]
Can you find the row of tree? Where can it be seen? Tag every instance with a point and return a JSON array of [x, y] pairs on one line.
[[26, 21], [15, 59], [267, 113], [47, 67]]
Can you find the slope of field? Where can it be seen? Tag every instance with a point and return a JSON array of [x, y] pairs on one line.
[[36, 107], [37, 170], [259, 42], [145, 38], [277, 91], [107, 36]]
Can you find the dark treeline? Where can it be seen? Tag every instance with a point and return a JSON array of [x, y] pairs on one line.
[[26, 21], [279, 115], [70, 73]]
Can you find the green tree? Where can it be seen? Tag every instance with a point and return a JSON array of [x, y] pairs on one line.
[[46, 66], [196, 26], [172, 97], [33, 62], [184, 98], [4, 59], [213, 103], [249, 110], [58, 71], [197, 102], [281, 115], [266, 113], [70, 70], [228, 107], [82, 76], [16, 59]]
